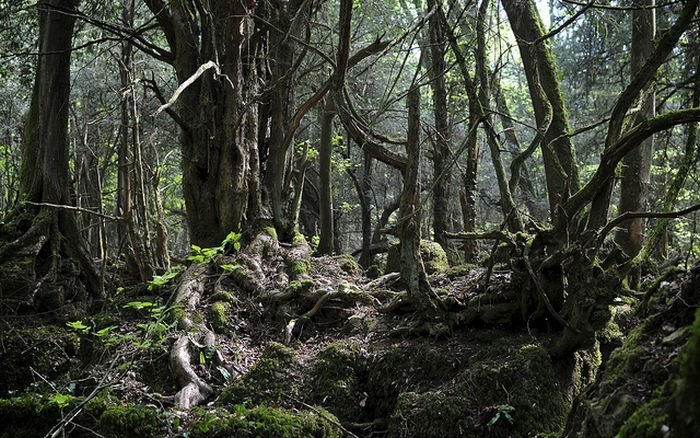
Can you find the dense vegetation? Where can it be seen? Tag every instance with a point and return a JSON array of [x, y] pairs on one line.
[[349, 218]]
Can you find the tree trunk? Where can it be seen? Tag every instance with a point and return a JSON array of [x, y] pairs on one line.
[[43, 241], [326, 244], [366, 204], [559, 160], [408, 228], [636, 166], [441, 181], [217, 137]]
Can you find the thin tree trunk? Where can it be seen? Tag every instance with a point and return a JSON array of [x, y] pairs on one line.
[[326, 244], [437, 69], [636, 166], [366, 204], [560, 164], [408, 228]]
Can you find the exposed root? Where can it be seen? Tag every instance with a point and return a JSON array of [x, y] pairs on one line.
[[383, 281], [296, 325], [193, 389]]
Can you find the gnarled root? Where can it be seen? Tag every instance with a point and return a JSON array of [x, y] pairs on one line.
[[193, 389]]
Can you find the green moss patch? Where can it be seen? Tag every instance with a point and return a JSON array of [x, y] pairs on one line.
[[273, 380], [433, 256], [263, 421], [132, 420], [348, 264], [517, 395], [335, 380], [34, 415], [219, 316]]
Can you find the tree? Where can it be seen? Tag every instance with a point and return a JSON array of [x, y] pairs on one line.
[[216, 111], [437, 69], [636, 166], [42, 240]]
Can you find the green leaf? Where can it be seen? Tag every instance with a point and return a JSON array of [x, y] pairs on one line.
[[138, 305], [105, 331], [202, 360], [79, 326], [61, 400]]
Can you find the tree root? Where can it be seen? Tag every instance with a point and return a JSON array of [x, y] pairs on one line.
[[193, 389]]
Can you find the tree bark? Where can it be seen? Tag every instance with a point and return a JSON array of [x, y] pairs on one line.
[[213, 111], [636, 166], [48, 237], [557, 151], [408, 227], [327, 233], [441, 181]]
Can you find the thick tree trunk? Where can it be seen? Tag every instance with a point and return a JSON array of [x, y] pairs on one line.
[[43, 240], [636, 166], [217, 136]]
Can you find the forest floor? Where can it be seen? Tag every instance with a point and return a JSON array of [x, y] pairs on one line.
[[330, 359]]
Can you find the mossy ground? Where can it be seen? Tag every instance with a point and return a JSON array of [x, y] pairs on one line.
[[355, 371], [516, 395], [649, 385]]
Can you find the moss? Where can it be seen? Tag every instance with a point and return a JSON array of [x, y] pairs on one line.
[[177, 314], [27, 416], [51, 350], [624, 360], [460, 270], [132, 420], [687, 407], [348, 264], [298, 238], [514, 395], [335, 380], [433, 256], [219, 316], [300, 286], [299, 268], [430, 414], [536, 396], [272, 232], [263, 421], [224, 296], [272, 380], [647, 421]]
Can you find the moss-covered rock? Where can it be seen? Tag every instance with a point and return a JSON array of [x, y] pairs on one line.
[[27, 416], [335, 380], [348, 264], [51, 350], [263, 421], [687, 405], [34, 415], [433, 256], [299, 268], [273, 380], [132, 420], [648, 387], [219, 316], [460, 270], [515, 396]]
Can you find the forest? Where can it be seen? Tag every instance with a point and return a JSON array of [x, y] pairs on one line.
[[349, 218]]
